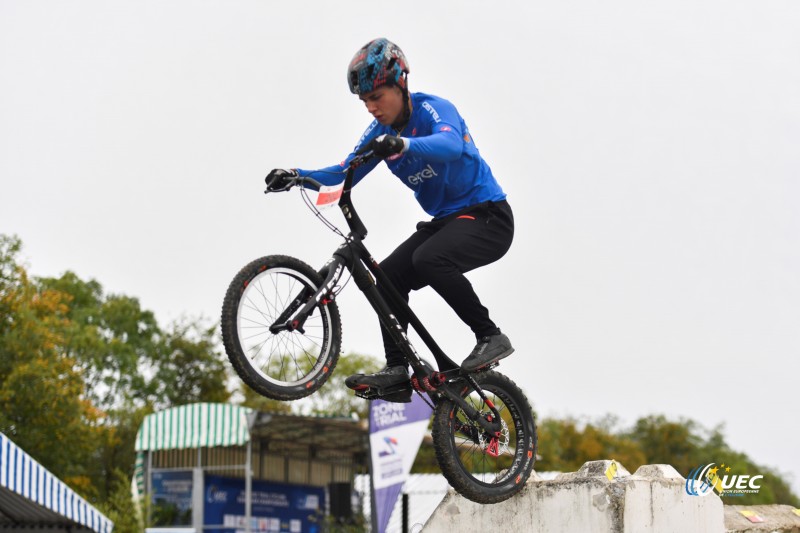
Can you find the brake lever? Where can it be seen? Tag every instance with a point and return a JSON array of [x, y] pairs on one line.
[[283, 189], [360, 159], [297, 180]]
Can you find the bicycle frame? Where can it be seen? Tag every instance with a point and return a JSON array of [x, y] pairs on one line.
[[354, 256]]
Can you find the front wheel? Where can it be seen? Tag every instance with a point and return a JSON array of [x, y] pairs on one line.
[[482, 467], [287, 365]]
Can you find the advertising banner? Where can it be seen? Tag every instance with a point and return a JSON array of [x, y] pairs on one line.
[[277, 507], [396, 432]]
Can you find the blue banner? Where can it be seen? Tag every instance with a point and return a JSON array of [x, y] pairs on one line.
[[277, 507]]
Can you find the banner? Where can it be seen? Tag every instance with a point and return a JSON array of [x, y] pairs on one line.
[[396, 432], [277, 507]]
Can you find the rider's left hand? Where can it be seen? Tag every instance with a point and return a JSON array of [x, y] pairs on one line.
[[385, 146], [280, 179]]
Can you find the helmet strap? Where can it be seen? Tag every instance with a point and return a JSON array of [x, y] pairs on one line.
[[405, 116]]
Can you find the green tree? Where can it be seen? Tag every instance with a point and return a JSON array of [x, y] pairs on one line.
[[119, 506], [79, 370], [668, 442], [43, 402], [565, 445], [131, 366], [254, 400], [334, 398], [190, 368], [113, 339]]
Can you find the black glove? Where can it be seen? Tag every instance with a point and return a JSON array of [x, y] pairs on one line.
[[280, 179], [384, 146]]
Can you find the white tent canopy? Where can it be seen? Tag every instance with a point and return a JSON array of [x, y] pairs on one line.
[[198, 425], [31, 497]]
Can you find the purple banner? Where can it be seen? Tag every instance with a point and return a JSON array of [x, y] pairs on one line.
[[396, 432]]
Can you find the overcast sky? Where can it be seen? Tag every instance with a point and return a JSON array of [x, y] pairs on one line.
[[649, 151]]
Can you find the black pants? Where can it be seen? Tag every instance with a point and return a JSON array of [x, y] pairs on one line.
[[439, 254]]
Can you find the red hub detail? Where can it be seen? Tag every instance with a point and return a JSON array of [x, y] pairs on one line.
[[493, 448]]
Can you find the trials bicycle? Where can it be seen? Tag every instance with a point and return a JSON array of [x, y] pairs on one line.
[[282, 332]]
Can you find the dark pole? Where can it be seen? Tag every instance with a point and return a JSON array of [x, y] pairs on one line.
[[373, 505], [405, 512]]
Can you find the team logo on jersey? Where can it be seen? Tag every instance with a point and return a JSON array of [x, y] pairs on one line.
[[445, 128], [432, 111], [423, 174]]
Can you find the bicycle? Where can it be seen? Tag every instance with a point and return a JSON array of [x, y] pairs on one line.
[[282, 332]]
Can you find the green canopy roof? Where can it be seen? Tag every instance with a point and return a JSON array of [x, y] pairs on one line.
[[194, 426]]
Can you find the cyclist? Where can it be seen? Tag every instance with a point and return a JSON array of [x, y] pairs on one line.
[[425, 142]]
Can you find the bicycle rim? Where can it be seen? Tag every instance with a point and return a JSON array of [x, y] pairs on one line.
[[288, 358], [478, 467]]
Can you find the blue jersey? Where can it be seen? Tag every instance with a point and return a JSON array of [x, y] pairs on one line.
[[442, 164]]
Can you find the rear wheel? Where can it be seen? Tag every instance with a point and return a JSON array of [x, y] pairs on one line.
[[286, 365], [482, 467]]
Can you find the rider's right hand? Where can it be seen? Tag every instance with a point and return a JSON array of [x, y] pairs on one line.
[[280, 179]]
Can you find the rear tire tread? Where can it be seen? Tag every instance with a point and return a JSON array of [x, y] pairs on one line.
[[448, 456]]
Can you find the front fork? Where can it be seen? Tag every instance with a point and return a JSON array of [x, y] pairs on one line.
[[297, 312]]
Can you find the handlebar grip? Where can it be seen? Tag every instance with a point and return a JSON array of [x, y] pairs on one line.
[[291, 182], [362, 158], [300, 180]]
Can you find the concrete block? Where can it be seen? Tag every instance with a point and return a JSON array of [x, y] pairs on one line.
[[595, 469], [658, 471], [657, 501], [653, 500], [580, 506]]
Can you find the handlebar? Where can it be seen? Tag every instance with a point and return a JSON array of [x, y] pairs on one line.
[[353, 221], [356, 162]]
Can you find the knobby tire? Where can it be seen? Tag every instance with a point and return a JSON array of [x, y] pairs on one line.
[[461, 444], [288, 365]]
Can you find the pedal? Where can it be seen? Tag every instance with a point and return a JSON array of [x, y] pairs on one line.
[[398, 393], [484, 368], [493, 364]]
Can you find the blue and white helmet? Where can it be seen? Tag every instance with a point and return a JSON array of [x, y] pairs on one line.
[[379, 62]]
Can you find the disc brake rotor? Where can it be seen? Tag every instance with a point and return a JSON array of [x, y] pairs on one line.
[[502, 440]]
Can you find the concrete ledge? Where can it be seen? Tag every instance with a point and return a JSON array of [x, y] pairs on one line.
[[770, 518], [600, 497]]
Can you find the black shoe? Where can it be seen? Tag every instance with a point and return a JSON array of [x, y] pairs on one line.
[[489, 349], [388, 377]]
